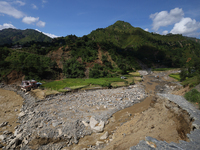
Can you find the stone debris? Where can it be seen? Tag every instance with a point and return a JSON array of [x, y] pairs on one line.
[[104, 136], [143, 72], [21, 114], [2, 137], [96, 126], [85, 123], [99, 143], [67, 117], [3, 124]]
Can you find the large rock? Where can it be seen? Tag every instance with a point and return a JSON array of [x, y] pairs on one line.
[[2, 137], [21, 114], [104, 136], [96, 126]]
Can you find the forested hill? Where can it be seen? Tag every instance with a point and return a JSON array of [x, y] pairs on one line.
[[14, 36], [105, 52], [169, 50]]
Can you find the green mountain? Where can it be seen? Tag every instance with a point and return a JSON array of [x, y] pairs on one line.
[[151, 48], [14, 36], [105, 52], [124, 35]]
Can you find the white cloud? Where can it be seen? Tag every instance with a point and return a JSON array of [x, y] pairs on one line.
[[41, 24], [44, 1], [7, 25], [48, 34], [146, 29], [7, 9], [20, 3], [187, 27], [34, 6], [33, 20], [164, 18], [51, 35], [30, 20], [165, 32]]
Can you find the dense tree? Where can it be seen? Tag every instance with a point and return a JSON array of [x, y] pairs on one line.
[[73, 69]]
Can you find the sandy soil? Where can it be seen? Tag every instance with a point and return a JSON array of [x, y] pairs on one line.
[[10, 104], [158, 122]]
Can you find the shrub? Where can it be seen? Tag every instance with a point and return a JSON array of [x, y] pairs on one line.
[[132, 83], [94, 73], [183, 74], [107, 84], [126, 82], [193, 96]]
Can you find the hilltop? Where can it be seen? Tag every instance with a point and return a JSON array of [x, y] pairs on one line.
[[16, 36]]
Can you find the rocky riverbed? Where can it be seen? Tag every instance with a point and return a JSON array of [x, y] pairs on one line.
[[62, 120], [89, 118]]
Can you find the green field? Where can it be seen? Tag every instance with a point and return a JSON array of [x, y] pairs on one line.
[[77, 83], [135, 74], [175, 76], [162, 69]]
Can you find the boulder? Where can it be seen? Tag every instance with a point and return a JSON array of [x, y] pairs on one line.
[[99, 143], [2, 137], [21, 114], [104, 136], [96, 126]]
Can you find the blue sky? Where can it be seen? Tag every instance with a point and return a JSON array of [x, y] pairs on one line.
[[80, 17]]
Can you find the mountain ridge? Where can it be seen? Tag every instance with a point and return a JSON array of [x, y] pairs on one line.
[[122, 43], [18, 36]]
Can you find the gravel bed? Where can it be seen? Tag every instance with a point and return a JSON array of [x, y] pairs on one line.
[[60, 118]]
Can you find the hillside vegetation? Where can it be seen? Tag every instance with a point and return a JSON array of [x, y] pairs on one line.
[[16, 36], [105, 52]]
